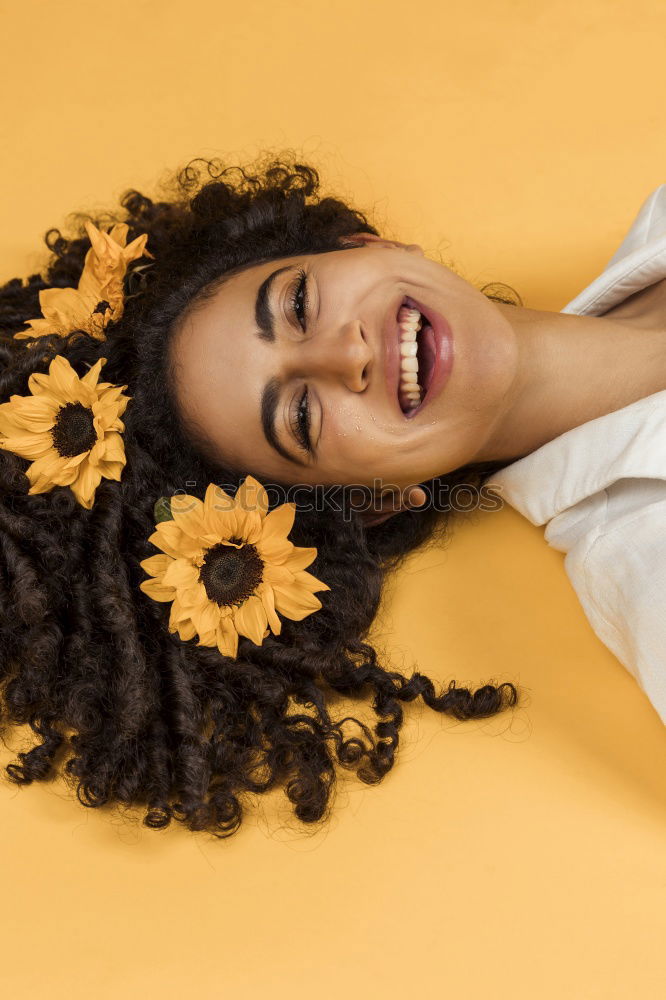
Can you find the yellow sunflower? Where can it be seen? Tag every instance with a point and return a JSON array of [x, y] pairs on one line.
[[99, 298], [69, 427], [228, 567]]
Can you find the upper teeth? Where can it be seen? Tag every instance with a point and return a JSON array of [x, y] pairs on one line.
[[409, 323]]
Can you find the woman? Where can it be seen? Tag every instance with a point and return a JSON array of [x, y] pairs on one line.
[[580, 394], [154, 713], [599, 486]]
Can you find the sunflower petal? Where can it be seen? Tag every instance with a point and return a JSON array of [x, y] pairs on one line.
[[96, 453], [193, 596], [156, 565], [38, 328], [248, 525], [299, 558], [112, 396], [63, 378], [251, 496], [106, 416], [65, 308], [39, 384], [181, 573], [85, 484], [8, 425], [31, 446], [50, 464], [275, 528], [277, 574], [178, 614], [186, 630], [91, 289], [42, 486], [274, 549], [188, 514], [155, 590], [227, 638], [113, 447], [280, 521], [33, 413], [250, 619], [267, 596], [206, 617], [108, 392], [91, 376], [51, 468], [210, 539], [295, 603], [168, 537], [309, 582], [83, 394], [111, 470], [84, 499], [220, 513], [208, 638]]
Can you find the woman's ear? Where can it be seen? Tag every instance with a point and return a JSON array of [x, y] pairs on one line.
[[413, 496], [367, 239]]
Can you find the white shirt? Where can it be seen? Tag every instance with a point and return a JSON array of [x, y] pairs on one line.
[[600, 488]]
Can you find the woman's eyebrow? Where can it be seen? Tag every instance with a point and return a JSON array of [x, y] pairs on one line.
[[263, 313]]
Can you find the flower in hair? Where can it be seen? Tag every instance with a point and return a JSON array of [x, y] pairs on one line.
[[70, 429], [99, 298], [228, 567]]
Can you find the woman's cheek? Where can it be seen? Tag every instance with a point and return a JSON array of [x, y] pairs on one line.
[[359, 459], [359, 447]]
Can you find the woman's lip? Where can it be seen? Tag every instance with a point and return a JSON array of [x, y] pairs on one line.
[[444, 354]]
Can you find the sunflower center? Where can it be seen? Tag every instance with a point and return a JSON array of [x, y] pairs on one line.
[[231, 575], [74, 430]]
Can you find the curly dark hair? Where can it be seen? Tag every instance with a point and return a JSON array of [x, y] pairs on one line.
[[86, 658]]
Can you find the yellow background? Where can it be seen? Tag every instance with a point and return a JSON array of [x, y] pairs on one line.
[[517, 857]]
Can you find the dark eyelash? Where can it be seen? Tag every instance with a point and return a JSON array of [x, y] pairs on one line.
[[300, 285], [301, 426]]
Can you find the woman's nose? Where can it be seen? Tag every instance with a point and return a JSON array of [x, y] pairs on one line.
[[337, 352]]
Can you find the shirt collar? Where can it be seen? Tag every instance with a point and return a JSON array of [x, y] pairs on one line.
[[627, 443]]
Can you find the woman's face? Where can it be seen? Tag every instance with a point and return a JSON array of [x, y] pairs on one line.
[[332, 348]]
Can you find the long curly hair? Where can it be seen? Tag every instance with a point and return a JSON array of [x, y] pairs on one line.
[[86, 658]]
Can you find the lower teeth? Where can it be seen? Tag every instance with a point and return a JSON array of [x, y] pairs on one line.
[[410, 401]]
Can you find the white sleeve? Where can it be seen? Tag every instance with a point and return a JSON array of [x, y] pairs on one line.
[[619, 574]]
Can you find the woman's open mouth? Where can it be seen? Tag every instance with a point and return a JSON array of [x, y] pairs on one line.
[[418, 350]]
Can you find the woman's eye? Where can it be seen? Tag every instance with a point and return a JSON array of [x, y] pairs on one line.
[[301, 425], [300, 289]]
